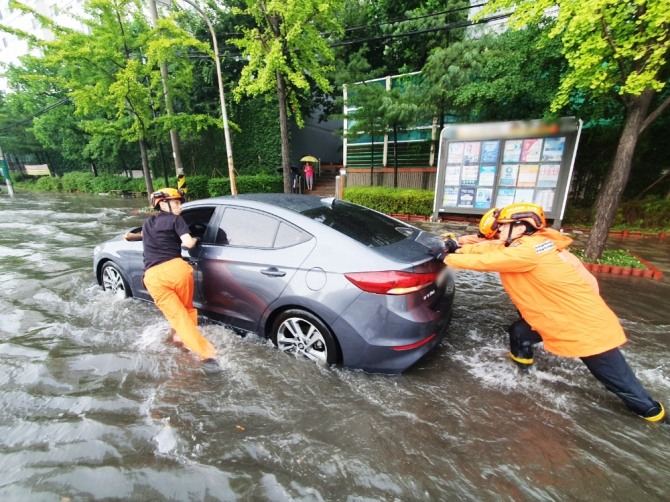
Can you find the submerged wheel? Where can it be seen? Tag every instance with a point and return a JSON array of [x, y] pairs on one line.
[[113, 280], [300, 333]]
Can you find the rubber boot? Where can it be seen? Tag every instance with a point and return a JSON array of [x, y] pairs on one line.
[[659, 417], [523, 363]]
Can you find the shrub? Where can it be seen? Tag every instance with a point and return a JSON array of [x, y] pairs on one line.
[[197, 187], [136, 185], [392, 200], [17, 177], [106, 182], [77, 182], [648, 213], [49, 184], [617, 257]]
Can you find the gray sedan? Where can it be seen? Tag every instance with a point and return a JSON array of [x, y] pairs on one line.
[[332, 281]]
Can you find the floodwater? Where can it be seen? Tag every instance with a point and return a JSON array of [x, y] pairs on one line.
[[95, 405]]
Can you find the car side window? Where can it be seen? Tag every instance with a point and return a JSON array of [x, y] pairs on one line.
[[248, 228], [289, 236], [197, 219]]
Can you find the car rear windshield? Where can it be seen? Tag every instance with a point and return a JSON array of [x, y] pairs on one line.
[[368, 227]]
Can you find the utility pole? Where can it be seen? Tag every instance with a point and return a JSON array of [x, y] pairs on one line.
[[219, 78], [174, 135], [5, 173], [222, 99]]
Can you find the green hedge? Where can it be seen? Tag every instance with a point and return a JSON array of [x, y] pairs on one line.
[[196, 186], [199, 187], [105, 183], [77, 182], [392, 200]]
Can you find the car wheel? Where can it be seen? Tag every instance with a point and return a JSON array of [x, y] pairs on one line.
[[300, 333], [113, 280]]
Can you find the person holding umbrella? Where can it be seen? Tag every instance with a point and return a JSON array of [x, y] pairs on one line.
[[309, 175], [309, 171]]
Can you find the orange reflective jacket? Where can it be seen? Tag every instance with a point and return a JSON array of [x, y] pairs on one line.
[[550, 293]]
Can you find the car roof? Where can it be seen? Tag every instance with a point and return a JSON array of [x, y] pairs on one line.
[[292, 202], [369, 228]]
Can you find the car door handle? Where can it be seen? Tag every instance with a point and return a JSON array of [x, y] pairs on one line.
[[273, 272]]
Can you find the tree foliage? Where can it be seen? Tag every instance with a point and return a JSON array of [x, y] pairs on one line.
[[495, 77], [612, 49], [287, 55], [109, 77]]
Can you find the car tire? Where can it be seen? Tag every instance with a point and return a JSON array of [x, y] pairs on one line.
[[299, 332], [112, 280]]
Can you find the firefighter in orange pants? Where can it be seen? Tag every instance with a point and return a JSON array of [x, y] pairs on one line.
[[168, 278], [557, 303]]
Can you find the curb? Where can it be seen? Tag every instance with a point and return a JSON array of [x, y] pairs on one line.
[[624, 234], [651, 272]]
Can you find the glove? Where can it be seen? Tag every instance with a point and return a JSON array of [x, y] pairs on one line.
[[438, 252], [448, 235], [450, 246]]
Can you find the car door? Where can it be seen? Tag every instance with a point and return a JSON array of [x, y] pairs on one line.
[[197, 218], [253, 258], [201, 226]]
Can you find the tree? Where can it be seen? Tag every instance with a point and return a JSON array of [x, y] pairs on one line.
[[110, 75], [416, 27], [612, 48], [287, 55], [364, 103], [399, 110]]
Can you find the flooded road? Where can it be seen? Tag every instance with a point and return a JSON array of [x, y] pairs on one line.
[[95, 405]]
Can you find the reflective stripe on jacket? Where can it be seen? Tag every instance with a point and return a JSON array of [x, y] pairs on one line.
[[550, 293]]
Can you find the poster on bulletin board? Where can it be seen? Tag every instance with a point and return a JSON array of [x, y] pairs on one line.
[[487, 165]]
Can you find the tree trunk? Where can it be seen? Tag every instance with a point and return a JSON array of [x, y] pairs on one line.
[[395, 156], [612, 190], [372, 152], [145, 166], [283, 128]]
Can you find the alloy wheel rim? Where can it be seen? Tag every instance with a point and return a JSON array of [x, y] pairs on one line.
[[112, 281], [298, 336]]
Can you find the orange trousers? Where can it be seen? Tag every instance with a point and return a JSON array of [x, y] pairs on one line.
[[171, 286]]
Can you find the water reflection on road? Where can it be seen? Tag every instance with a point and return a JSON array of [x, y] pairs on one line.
[[96, 405]]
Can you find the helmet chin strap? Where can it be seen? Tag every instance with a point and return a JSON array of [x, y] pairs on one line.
[[511, 239], [169, 203]]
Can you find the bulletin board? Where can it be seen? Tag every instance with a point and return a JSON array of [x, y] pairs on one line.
[[487, 165]]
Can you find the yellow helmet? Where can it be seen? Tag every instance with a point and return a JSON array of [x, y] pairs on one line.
[[532, 214], [488, 226], [166, 194]]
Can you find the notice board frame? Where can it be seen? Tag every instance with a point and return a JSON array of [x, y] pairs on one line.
[[493, 164]]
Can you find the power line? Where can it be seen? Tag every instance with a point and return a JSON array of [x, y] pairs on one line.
[[423, 16], [446, 27], [36, 114]]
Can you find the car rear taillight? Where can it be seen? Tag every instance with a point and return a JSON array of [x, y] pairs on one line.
[[415, 345], [390, 282]]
